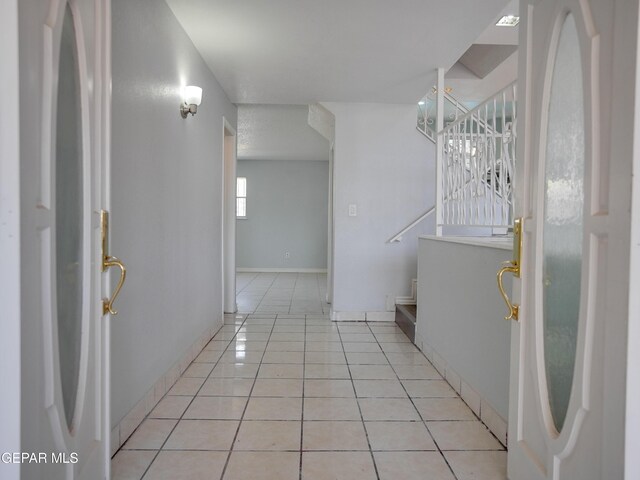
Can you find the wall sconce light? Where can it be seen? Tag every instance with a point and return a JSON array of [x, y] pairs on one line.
[[192, 97]]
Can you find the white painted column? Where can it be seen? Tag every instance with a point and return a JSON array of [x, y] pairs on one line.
[[439, 148], [229, 222]]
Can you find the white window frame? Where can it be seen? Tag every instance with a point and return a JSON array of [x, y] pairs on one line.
[[239, 196]]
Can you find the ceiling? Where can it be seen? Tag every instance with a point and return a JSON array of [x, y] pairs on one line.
[[466, 86], [278, 132], [306, 51]]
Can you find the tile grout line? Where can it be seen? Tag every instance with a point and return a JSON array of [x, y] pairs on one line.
[[219, 361], [243, 288], [247, 284], [355, 393], [244, 411], [293, 294], [274, 321], [243, 324], [194, 396], [263, 295], [304, 364], [459, 396], [412, 402]]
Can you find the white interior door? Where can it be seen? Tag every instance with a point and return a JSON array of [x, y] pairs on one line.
[[568, 359], [75, 390]]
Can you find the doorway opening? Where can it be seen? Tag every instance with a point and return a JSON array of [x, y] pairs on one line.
[[283, 198]]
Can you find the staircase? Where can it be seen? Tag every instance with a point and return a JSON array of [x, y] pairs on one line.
[[475, 164], [406, 319], [474, 174], [426, 123]]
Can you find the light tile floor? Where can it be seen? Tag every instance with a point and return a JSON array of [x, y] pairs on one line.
[[291, 397], [289, 293]]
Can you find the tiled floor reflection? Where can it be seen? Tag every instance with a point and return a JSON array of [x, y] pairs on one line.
[[290, 397], [288, 293]]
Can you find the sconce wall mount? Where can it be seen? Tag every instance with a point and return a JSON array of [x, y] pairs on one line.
[[192, 98]]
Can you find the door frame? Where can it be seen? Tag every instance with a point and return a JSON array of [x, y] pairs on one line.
[[229, 163], [330, 228], [632, 422], [632, 415], [105, 186], [10, 351]]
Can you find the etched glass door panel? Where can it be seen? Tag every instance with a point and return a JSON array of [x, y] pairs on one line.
[[69, 217], [563, 221]]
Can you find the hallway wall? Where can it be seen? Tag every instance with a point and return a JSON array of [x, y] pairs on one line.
[[166, 198], [10, 341], [387, 169], [286, 211]]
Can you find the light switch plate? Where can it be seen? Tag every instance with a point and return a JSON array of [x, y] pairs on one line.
[[353, 210]]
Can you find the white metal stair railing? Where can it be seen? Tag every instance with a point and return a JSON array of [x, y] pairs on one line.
[[398, 236], [478, 164], [426, 123]]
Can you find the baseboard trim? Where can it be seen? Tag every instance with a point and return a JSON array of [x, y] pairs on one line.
[[405, 301], [281, 270], [123, 430], [413, 298], [342, 316], [483, 410]]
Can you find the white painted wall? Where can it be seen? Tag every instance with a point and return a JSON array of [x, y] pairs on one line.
[[166, 197], [460, 315], [387, 169], [286, 211], [9, 239]]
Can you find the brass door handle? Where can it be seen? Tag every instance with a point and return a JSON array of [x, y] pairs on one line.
[[108, 262], [512, 266], [513, 308]]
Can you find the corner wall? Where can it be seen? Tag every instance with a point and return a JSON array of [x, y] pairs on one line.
[[460, 325], [387, 169], [166, 199]]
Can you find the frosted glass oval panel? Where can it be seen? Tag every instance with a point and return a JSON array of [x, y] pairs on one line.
[[69, 213], [563, 220]]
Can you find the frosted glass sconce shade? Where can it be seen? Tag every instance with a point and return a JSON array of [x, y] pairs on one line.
[[192, 98]]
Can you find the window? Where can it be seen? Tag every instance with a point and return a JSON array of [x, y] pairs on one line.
[[241, 197]]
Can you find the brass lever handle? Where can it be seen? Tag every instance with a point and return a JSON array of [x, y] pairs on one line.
[[513, 308], [108, 262], [513, 267]]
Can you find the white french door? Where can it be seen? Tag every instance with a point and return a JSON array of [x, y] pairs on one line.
[[72, 427], [568, 359]]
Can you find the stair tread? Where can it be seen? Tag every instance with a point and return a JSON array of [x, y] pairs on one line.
[[410, 311], [406, 320]]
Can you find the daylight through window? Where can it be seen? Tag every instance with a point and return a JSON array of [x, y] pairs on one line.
[[241, 197]]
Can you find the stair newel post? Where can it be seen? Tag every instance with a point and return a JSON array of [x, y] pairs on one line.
[[439, 149]]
